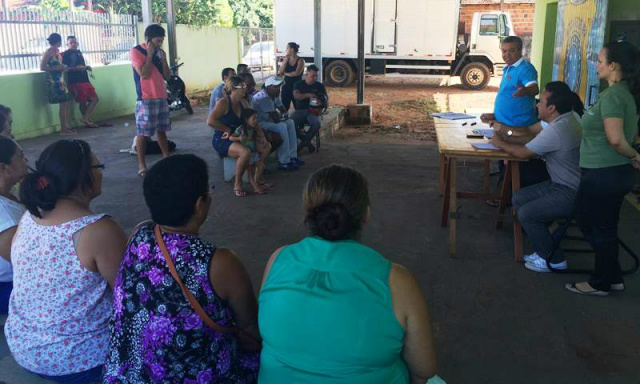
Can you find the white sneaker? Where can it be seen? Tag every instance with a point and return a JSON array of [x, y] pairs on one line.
[[540, 265], [531, 257]]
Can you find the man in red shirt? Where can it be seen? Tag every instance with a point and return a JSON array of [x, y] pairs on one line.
[[150, 70]]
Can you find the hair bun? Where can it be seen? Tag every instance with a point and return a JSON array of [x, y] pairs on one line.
[[331, 221], [38, 191]]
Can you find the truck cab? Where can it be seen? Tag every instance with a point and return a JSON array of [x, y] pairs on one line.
[[479, 53]]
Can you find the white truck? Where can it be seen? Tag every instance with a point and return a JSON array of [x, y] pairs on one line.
[[410, 38]]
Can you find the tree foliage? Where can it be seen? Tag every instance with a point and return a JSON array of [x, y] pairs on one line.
[[220, 13], [252, 13]]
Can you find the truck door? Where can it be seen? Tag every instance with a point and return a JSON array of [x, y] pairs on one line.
[[488, 35], [384, 27]]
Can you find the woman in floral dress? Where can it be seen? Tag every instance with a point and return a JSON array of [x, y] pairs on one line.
[[156, 336], [57, 93]]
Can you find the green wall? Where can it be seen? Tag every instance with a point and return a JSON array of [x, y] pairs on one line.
[[544, 30], [26, 95]]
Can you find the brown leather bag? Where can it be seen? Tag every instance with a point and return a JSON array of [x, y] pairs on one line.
[[187, 293]]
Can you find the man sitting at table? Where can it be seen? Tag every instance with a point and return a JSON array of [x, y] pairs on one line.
[[515, 103], [559, 146]]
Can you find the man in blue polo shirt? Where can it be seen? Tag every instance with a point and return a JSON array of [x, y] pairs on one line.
[[515, 103]]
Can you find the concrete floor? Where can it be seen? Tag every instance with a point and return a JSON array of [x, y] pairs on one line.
[[494, 321]]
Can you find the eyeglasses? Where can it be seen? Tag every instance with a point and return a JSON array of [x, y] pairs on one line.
[[98, 166]]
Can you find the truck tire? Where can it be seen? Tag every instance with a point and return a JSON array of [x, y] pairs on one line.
[[475, 76], [339, 73]]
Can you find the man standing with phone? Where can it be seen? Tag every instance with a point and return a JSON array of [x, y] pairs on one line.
[[150, 70]]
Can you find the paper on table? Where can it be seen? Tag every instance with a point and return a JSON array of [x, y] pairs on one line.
[[452, 116], [485, 147]]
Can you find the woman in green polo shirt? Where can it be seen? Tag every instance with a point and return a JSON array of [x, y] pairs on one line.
[[606, 159]]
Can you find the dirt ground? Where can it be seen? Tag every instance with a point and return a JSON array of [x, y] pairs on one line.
[[401, 107]]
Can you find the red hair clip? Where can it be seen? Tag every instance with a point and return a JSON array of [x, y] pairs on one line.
[[42, 183]]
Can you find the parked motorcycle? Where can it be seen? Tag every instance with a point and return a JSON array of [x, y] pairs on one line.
[[177, 92]]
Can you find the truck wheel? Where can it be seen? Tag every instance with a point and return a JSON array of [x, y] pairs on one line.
[[339, 73], [475, 76]]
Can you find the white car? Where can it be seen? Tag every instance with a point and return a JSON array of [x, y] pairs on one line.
[[261, 55]]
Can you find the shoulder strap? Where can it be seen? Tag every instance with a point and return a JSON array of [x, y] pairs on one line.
[[156, 61], [142, 50], [187, 293]]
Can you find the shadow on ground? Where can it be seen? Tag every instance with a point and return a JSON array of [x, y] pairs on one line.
[[494, 321]]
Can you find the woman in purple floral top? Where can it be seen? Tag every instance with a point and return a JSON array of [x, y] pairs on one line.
[[156, 336]]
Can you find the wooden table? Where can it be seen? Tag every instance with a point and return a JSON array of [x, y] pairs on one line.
[[453, 145]]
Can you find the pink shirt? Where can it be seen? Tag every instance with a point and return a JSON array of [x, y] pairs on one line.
[[152, 87], [59, 311]]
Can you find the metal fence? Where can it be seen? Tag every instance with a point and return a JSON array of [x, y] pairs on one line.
[[104, 38], [258, 51]]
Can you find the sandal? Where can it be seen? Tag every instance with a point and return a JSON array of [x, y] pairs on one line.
[[89, 124], [68, 132], [240, 192], [267, 185], [261, 192], [591, 292]]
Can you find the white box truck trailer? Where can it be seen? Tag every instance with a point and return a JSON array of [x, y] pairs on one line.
[[417, 38]]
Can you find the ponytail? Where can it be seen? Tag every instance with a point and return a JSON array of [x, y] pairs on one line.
[[61, 168], [577, 105]]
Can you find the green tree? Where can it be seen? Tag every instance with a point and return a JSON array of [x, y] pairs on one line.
[[252, 13]]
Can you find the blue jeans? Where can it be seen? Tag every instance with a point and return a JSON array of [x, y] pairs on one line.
[[538, 205], [93, 375], [303, 116], [287, 130]]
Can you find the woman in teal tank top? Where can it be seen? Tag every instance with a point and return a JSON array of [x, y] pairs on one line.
[[332, 310]]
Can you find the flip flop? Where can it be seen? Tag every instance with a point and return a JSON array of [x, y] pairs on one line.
[[142, 173], [68, 132], [267, 185], [92, 125], [592, 292], [260, 192], [240, 192]]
